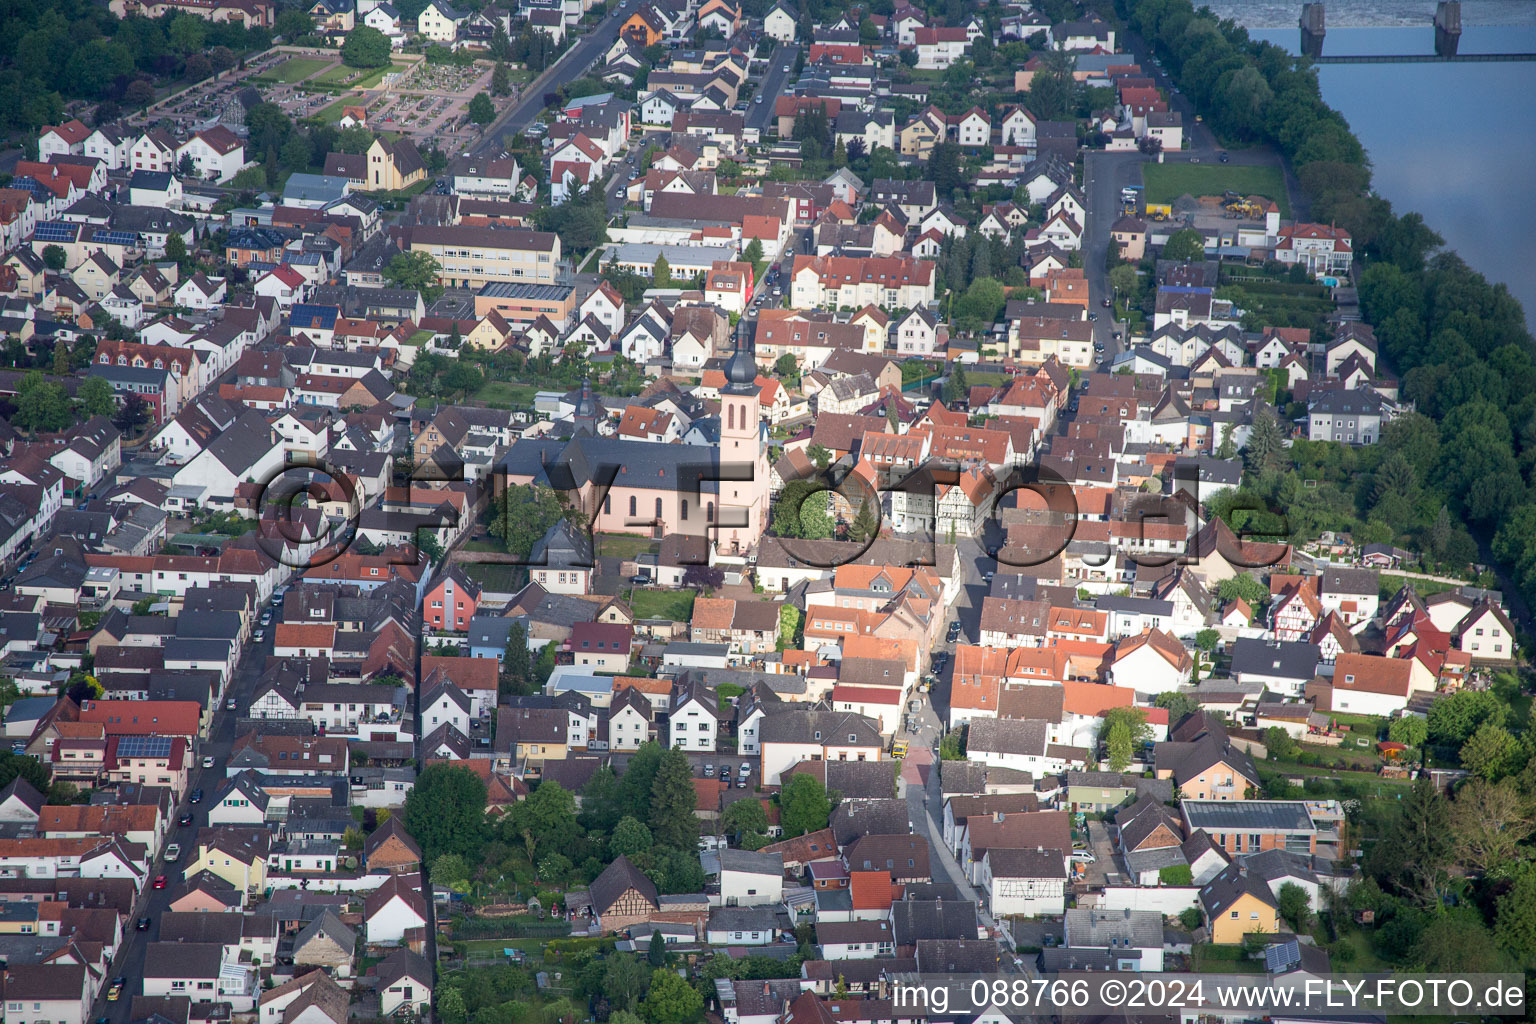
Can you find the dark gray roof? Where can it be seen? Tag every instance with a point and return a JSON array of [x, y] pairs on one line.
[[1285, 659], [617, 879], [1237, 815], [1009, 863], [913, 920], [852, 818]]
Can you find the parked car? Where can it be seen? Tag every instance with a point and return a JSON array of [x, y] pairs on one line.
[[207, 762], [196, 797], [143, 925], [159, 882], [172, 852], [746, 769], [185, 818]]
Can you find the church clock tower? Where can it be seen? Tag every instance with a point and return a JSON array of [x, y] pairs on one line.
[[743, 457]]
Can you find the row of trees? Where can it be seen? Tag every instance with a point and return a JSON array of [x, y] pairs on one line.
[[73, 49], [1459, 341]]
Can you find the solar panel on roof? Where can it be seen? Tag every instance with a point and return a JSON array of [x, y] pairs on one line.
[[1281, 956], [124, 238], [54, 231], [144, 746]]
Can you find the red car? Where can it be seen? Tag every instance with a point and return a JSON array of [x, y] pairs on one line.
[[159, 881]]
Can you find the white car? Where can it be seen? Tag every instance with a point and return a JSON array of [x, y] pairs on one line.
[[785, 69], [208, 762], [1083, 857]]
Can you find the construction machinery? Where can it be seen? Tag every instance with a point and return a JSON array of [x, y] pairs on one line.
[[1244, 208], [1159, 211]]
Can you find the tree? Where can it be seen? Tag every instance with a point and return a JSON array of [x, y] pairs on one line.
[[703, 577], [54, 257], [365, 47], [1417, 847], [786, 365], [656, 952], [1515, 919], [414, 271], [1179, 704], [1453, 719], [249, 179], [25, 766], [451, 870], [661, 273], [450, 1007], [516, 667], [1125, 281], [1458, 944], [1123, 732], [955, 387], [1281, 744], [866, 525], [625, 980], [1410, 730], [671, 1000], [819, 454], [185, 168], [545, 822], [744, 816], [41, 405], [1295, 906], [753, 254], [1207, 639], [1184, 246], [630, 838], [1266, 442], [94, 396], [445, 812], [803, 806], [1490, 820], [501, 81], [133, 414], [673, 800], [176, 249], [1490, 752], [481, 110], [790, 621], [139, 93]]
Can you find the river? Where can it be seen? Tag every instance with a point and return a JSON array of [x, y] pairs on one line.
[[1455, 142]]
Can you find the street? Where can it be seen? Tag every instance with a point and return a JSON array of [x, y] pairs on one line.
[[760, 115], [571, 66], [154, 902]]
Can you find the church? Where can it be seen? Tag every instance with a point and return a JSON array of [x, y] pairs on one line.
[[642, 487]]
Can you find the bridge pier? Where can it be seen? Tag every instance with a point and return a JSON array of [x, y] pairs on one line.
[[1313, 29], [1447, 27]]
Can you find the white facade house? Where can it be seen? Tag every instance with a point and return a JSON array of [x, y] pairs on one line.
[[694, 722], [1026, 883], [48, 993], [749, 879], [216, 154]]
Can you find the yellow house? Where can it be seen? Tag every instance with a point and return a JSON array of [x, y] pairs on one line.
[[1236, 904], [492, 333], [237, 855], [918, 137], [393, 165]]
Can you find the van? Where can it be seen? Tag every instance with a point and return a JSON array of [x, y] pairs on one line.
[[899, 749]]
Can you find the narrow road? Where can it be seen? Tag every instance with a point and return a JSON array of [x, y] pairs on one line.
[[760, 114], [571, 66], [153, 902]]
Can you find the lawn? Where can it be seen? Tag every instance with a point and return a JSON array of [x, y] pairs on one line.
[[501, 394], [484, 545], [1209, 959], [374, 77], [1388, 584], [1167, 182], [331, 112], [673, 605], [624, 545], [296, 69], [502, 579]]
